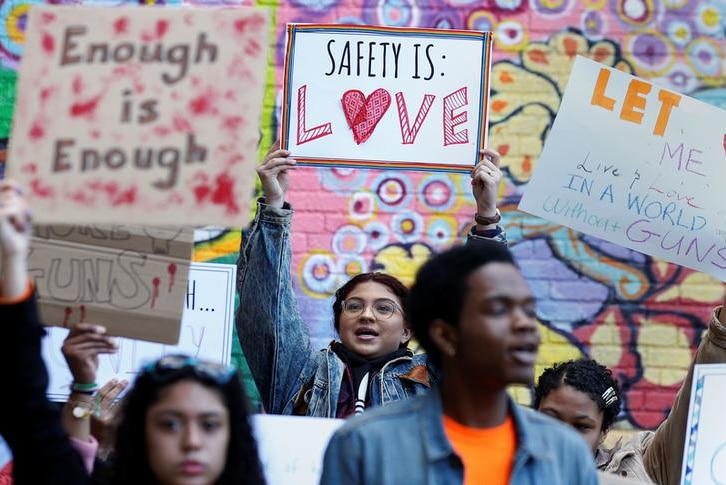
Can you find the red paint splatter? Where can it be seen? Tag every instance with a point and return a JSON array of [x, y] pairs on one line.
[[48, 43], [81, 197], [201, 192], [47, 17], [67, 317], [161, 27], [235, 159], [77, 85], [181, 124], [36, 131], [83, 313], [161, 131], [253, 48], [45, 93], [111, 188], [86, 109], [503, 150], [121, 25], [230, 95], [203, 104], [39, 190], [95, 134], [224, 193], [172, 273], [29, 168], [233, 123], [254, 22], [155, 290], [125, 197]]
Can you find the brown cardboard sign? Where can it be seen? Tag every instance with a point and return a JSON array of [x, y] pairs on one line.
[[131, 279], [139, 115]]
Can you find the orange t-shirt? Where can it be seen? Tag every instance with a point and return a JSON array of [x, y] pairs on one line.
[[487, 453]]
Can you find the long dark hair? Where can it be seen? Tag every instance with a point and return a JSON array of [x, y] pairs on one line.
[[130, 464]]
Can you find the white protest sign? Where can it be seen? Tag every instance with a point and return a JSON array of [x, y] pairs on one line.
[[386, 97], [291, 448], [636, 165], [206, 332], [704, 453], [139, 115]]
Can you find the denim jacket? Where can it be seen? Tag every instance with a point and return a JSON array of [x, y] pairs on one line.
[[291, 376], [407, 443]]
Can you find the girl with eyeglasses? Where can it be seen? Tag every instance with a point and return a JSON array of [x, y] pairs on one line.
[[183, 422], [371, 364]]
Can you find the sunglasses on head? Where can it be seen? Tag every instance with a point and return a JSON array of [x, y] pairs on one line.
[[170, 366]]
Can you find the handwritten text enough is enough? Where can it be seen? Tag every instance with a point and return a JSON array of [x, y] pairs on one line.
[[179, 56]]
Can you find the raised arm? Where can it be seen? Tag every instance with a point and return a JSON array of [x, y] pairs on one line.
[[81, 348], [663, 455], [29, 423], [272, 334], [14, 237], [485, 180]]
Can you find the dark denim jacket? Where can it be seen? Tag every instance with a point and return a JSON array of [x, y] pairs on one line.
[[292, 377], [407, 443]]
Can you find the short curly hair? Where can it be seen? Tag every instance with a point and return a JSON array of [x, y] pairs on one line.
[[587, 376], [442, 285]]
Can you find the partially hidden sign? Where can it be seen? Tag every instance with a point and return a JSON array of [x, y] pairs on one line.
[[385, 97], [637, 165], [704, 453], [132, 279], [206, 333], [139, 115]]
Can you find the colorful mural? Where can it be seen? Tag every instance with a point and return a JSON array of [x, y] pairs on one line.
[[638, 315]]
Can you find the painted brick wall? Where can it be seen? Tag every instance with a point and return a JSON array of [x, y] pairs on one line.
[[641, 316]]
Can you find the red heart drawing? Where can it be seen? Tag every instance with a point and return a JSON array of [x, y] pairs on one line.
[[363, 114]]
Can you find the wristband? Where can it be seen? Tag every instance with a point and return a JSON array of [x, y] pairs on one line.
[[485, 221], [84, 388]]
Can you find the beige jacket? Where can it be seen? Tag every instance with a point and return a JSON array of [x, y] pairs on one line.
[[656, 456]]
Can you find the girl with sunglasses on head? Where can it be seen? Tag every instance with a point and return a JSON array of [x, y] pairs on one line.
[[371, 365], [584, 394], [183, 421]]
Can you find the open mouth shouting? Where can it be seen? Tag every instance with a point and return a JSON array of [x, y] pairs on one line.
[[366, 333]]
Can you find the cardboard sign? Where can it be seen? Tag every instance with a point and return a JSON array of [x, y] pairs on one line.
[[139, 115], [291, 448], [385, 97], [132, 279], [206, 332], [636, 165], [704, 453]]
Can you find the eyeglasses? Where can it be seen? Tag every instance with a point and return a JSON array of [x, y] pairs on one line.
[[383, 308], [171, 366]]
